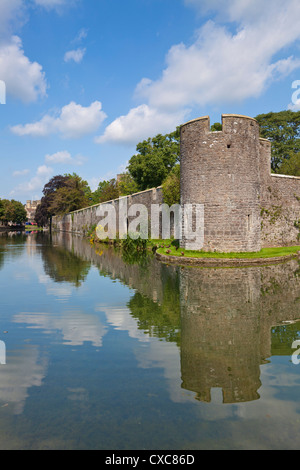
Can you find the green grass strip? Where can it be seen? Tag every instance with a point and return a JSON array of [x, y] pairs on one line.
[[166, 247]]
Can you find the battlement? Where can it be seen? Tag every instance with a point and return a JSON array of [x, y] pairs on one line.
[[231, 124], [221, 170], [229, 173]]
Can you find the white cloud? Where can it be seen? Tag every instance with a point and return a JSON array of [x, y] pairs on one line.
[[11, 14], [221, 66], [75, 55], [140, 123], [36, 183], [82, 34], [231, 59], [74, 121], [24, 79], [59, 157], [242, 11], [21, 172], [64, 157], [49, 4]]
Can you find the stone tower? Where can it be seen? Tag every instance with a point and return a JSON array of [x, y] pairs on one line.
[[221, 171]]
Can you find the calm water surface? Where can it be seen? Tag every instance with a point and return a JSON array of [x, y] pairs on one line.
[[110, 352]]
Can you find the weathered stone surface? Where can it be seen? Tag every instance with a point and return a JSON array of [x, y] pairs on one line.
[[246, 208]]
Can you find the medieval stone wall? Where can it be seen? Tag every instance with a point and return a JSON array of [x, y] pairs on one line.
[[246, 207], [221, 171], [280, 204], [81, 221]]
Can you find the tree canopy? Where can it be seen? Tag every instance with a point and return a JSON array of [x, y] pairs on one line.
[[155, 159], [171, 187], [106, 191], [283, 130], [62, 194], [12, 211]]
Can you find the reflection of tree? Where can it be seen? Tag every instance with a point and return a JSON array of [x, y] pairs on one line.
[[1, 258], [135, 257], [63, 266], [283, 337], [17, 239], [159, 320]]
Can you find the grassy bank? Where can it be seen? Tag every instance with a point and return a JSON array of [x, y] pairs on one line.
[[171, 248]]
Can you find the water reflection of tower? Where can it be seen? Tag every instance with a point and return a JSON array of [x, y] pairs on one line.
[[31, 242], [220, 347]]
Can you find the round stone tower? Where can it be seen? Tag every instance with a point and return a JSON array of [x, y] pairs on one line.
[[221, 172]]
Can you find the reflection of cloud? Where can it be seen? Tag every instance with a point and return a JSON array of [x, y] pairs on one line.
[[21, 276], [62, 292], [156, 353], [78, 394], [165, 356], [75, 326], [21, 372], [120, 318]]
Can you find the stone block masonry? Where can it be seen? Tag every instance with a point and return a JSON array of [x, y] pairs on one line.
[[246, 207], [81, 221], [221, 171]]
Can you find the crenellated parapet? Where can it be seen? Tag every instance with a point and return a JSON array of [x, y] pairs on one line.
[[221, 170]]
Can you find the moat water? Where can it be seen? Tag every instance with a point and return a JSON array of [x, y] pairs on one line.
[[114, 352]]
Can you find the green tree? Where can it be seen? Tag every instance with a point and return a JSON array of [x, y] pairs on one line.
[[216, 127], [155, 159], [106, 191], [12, 211], [1, 210], [171, 187], [127, 185], [291, 166], [44, 212], [7, 211], [82, 183], [55, 183], [283, 130], [62, 194], [70, 197], [20, 214]]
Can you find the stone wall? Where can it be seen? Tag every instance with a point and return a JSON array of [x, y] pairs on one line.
[[81, 221], [280, 204], [246, 207], [221, 171]]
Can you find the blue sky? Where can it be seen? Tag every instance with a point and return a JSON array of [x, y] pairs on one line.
[[86, 80]]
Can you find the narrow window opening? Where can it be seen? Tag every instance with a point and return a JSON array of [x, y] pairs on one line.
[[249, 222], [229, 146]]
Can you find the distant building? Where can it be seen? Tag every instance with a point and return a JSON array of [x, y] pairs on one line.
[[31, 207]]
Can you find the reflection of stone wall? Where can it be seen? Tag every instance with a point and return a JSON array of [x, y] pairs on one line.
[[220, 321], [148, 281], [227, 315]]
